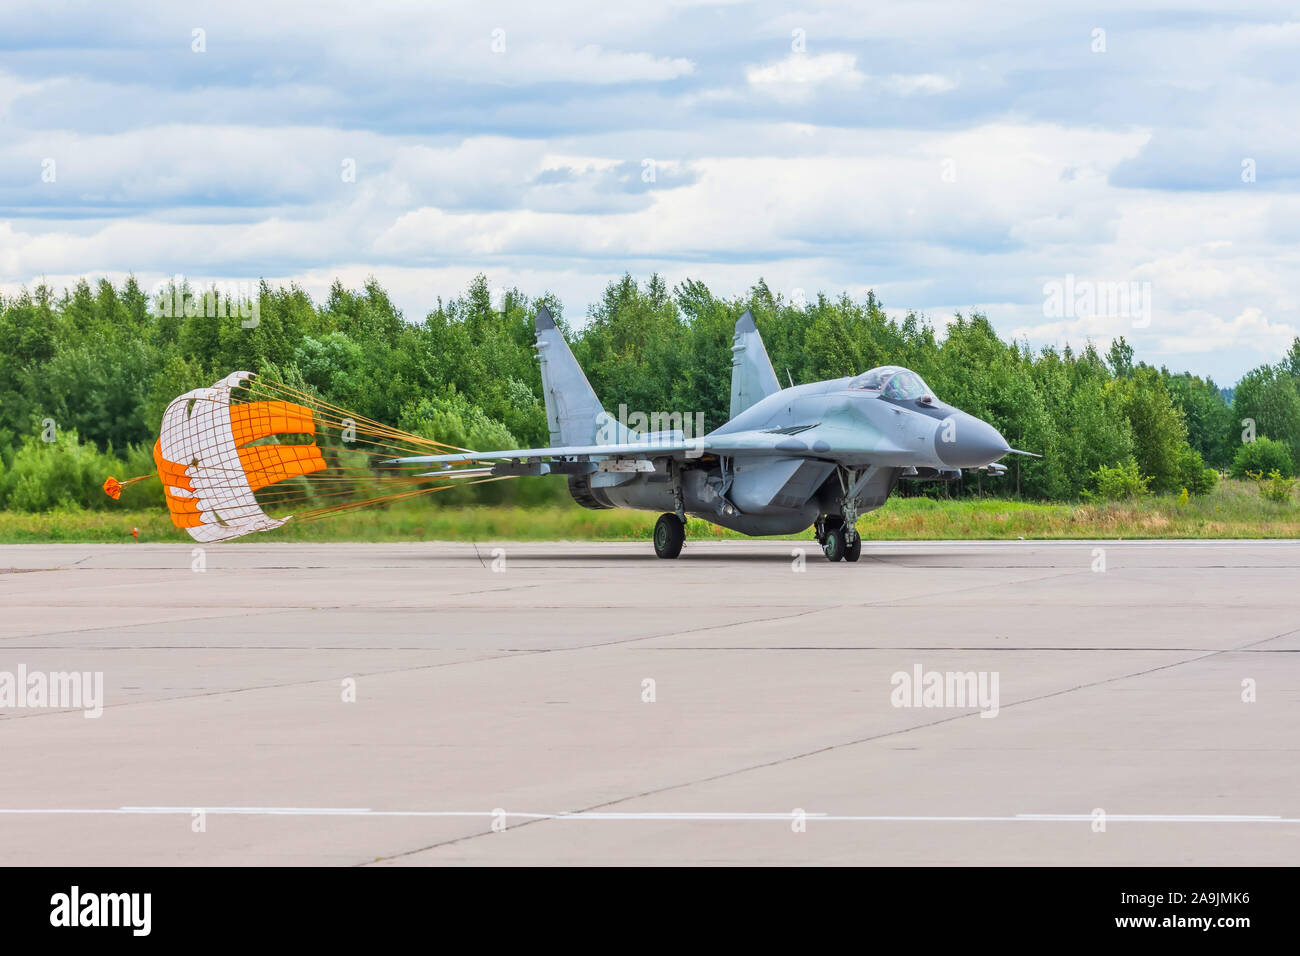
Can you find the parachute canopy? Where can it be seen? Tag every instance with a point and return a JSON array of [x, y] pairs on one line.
[[210, 469], [227, 453]]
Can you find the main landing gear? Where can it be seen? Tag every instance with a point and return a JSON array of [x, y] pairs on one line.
[[670, 535], [838, 542]]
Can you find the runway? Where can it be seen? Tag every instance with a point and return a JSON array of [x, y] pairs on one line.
[[586, 703]]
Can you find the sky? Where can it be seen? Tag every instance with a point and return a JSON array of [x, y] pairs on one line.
[[1075, 171]]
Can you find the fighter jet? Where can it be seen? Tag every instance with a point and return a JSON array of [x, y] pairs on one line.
[[818, 455]]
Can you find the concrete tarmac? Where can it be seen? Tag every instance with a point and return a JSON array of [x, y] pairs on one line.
[[417, 704]]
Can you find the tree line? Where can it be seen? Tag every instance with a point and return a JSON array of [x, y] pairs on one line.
[[85, 375]]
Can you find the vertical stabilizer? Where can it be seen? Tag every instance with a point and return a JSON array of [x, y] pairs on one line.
[[752, 377], [573, 412]]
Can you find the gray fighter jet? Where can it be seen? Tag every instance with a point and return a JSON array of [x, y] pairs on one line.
[[814, 455]]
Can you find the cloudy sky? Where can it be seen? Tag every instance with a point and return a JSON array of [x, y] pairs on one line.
[[1014, 159]]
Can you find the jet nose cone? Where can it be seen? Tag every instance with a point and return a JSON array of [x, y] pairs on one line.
[[964, 441]]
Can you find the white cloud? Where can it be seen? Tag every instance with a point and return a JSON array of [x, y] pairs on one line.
[[949, 157], [799, 75], [924, 83], [13, 89], [591, 64], [1251, 330]]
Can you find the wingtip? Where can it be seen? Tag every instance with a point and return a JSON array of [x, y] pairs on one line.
[[544, 319], [746, 323]]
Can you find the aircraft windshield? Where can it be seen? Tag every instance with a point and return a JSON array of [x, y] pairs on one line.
[[893, 382], [905, 385], [875, 379]]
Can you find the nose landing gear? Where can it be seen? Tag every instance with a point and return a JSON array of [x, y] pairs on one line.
[[838, 534]]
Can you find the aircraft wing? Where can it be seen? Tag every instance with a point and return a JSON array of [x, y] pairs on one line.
[[675, 449], [811, 441]]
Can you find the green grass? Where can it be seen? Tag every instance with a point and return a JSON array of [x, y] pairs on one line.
[[1234, 510]]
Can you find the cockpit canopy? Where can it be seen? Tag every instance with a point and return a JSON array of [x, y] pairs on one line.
[[893, 382]]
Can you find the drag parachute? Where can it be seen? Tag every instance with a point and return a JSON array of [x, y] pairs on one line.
[[228, 453]]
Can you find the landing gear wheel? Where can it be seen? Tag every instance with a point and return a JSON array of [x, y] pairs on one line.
[[834, 545], [670, 535], [854, 551]]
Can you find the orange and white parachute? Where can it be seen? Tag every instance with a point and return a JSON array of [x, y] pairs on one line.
[[227, 453]]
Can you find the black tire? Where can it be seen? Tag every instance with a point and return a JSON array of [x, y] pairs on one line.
[[854, 551], [823, 527], [670, 535], [834, 545]]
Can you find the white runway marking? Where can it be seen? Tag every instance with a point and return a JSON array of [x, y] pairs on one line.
[[686, 816]]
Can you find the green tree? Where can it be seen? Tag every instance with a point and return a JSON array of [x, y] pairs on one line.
[[1121, 482], [1159, 431], [1209, 418], [1268, 397], [1263, 456]]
